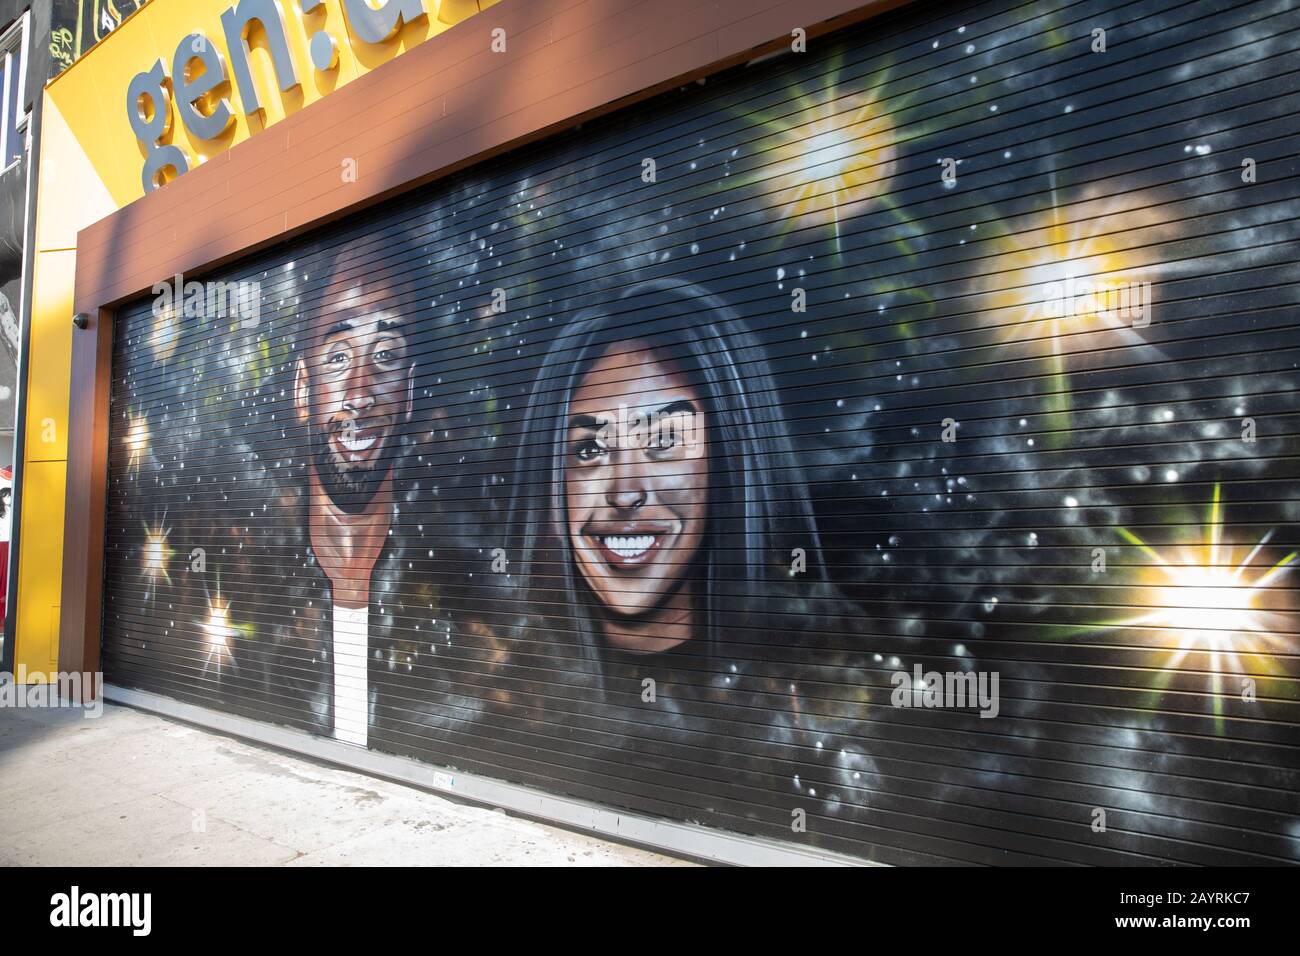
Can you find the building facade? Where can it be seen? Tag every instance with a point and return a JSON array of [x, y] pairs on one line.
[[37, 40], [852, 432]]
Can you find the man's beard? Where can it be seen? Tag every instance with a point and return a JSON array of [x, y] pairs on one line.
[[350, 485]]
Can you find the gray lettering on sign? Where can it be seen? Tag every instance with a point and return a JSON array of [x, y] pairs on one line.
[[191, 87], [237, 23], [149, 110], [375, 25]]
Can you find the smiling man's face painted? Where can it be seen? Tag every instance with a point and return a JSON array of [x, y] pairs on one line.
[[354, 387], [636, 478]]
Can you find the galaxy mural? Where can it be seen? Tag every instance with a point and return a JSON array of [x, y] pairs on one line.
[[889, 448]]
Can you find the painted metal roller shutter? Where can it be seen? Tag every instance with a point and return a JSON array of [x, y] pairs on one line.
[[984, 326]]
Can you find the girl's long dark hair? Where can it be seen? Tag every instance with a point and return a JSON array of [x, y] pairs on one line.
[[758, 509]]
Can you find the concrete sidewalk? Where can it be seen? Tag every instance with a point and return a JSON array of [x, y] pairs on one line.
[[130, 789]]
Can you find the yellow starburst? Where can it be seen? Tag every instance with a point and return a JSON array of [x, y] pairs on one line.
[[165, 332], [838, 153], [136, 441], [1208, 607], [1068, 279], [219, 633], [155, 555]]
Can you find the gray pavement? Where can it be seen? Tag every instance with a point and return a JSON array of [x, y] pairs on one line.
[[130, 788]]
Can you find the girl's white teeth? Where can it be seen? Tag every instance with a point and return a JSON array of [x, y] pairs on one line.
[[355, 444], [628, 545]]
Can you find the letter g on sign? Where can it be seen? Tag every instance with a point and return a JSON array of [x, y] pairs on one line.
[[149, 111]]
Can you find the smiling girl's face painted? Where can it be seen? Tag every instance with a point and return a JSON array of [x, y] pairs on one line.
[[636, 478]]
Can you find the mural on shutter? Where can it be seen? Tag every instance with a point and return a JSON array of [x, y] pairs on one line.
[[889, 448]]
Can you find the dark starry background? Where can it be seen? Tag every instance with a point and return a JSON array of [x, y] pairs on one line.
[[971, 555]]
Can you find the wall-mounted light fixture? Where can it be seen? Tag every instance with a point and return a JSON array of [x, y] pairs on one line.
[[81, 320]]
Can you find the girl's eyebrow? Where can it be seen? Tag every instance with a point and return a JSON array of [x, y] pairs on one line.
[[595, 422], [681, 405]]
